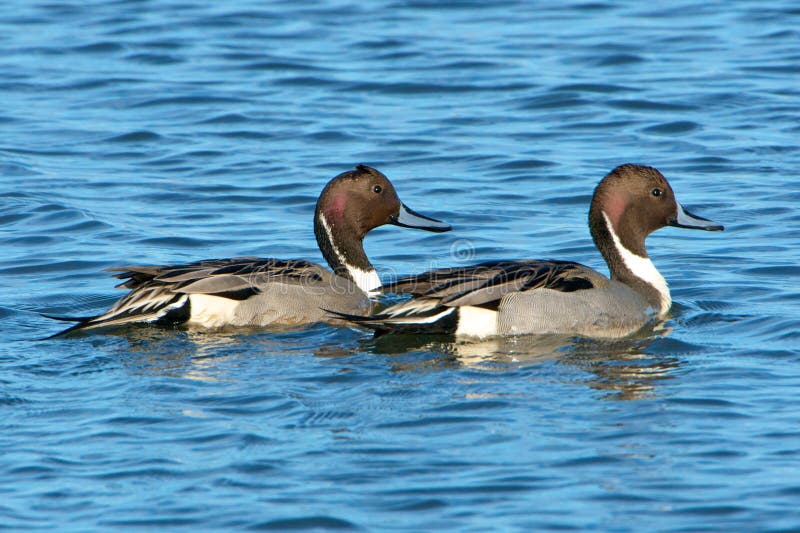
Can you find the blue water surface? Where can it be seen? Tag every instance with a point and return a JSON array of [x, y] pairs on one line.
[[162, 131]]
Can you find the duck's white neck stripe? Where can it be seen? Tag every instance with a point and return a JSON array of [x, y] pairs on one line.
[[643, 268], [367, 280]]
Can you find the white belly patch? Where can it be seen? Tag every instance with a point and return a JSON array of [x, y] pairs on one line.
[[212, 311], [476, 322]]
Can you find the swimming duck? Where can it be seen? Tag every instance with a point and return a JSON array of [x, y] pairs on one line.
[[514, 297], [251, 291]]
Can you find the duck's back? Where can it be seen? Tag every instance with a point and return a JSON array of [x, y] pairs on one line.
[[283, 301]]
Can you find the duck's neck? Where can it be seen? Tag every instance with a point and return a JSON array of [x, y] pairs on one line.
[[629, 263], [344, 252]]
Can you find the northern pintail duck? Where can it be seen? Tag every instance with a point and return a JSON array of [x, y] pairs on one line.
[[556, 297], [250, 291]]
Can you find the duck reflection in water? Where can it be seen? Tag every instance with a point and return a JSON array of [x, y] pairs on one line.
[[197, 354], [626, 369]]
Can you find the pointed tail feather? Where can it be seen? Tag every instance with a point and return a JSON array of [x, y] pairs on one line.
[[359, 320], [67, 318], [101, 321], [161, 308], [81, 324], [436, 321]]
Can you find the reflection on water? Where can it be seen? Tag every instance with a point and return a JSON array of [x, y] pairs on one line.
[[625, 369], [184, 352], [163, 352]]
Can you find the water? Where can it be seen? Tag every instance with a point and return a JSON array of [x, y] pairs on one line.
[[165, 131]]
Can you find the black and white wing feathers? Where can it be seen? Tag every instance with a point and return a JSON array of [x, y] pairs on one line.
[[437, 294]]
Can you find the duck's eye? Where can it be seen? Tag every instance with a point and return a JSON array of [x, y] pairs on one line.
[[377, 189], [656, 192]]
